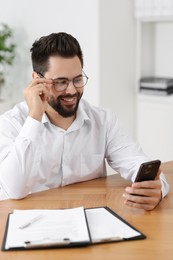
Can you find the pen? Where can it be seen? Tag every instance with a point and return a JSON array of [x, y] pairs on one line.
[[28, 223], [47, 243]]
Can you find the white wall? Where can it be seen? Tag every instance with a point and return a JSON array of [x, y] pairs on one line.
[[117, 60], [31, 19]]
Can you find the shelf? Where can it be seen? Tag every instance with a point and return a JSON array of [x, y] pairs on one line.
[[154, 113], [154, 49]]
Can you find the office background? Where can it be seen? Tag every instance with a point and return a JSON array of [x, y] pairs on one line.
[[106, 30]]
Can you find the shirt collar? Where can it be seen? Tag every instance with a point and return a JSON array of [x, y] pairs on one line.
[[81, 118], [81, 113], [45, 119]]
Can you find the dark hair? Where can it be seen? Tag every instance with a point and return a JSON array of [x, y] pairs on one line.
[[55, 44]]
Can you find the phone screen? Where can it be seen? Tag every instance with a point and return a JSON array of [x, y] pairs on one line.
[[148, 171]]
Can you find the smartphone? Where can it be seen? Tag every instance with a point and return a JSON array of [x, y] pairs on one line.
[[148, 171]]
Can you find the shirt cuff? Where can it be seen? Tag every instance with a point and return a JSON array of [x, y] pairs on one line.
[[165, 185]]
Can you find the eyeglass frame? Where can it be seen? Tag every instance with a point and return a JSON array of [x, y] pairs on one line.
[[68, 80]]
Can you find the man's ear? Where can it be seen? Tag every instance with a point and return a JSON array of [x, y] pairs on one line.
[[34, 75]]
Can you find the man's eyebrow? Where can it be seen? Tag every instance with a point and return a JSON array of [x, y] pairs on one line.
[[60, 78], [68, 78]]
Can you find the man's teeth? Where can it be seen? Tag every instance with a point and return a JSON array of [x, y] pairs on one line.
[[68, 99]]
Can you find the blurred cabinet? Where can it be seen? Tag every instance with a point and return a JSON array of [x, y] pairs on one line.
[[155, 126], [154, 57]]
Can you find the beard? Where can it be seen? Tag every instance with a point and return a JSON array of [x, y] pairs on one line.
[[64, 110]]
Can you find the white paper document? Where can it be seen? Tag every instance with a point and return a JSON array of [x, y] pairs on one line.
[[50, 226], [105, 226]]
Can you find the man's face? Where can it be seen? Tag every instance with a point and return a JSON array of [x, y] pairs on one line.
[[64, 102]]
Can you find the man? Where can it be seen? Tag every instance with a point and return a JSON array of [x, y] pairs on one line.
[[55, 138]]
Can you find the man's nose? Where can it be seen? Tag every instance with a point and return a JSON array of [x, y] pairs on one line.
[[71, 88]]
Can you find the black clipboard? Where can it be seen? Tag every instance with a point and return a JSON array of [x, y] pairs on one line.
[[66, 243]]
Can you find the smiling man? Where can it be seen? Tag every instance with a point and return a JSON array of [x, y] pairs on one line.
[[55, 137]]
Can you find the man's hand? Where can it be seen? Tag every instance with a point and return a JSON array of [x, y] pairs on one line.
[[36, 95], [144, 195]]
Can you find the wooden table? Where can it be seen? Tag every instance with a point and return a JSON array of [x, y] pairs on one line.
[[157, 225]]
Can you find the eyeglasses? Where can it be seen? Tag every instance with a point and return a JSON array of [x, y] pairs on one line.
[[61, 84]]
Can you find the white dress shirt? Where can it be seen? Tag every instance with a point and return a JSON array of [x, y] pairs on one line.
[[36, 156]]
